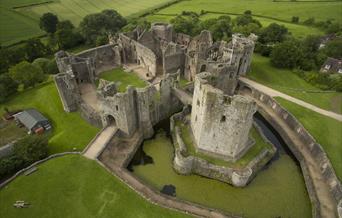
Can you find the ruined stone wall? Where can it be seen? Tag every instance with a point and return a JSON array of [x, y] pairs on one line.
[[105, 57], [220, 123], [90, 115], [173, 58], [244, 47], [163, 31], [122, 107], [68, 91]]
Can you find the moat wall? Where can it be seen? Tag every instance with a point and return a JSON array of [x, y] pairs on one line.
[[315, 148]]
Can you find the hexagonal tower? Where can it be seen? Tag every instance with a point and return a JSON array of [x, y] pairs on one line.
[[220, 123]]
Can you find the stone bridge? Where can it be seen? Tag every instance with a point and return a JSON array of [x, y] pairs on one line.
[[183, 96]]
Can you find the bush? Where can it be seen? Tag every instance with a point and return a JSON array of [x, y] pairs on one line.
[[295, 19], [42, 63], [51, 67], [27, 74], [287, 54], [310, 21]]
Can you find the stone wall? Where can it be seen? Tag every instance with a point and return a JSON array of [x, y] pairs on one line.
[[220, 123], [188, 164], [105, 57], [317, 152], [173, 58], [68, 91], [90, 115]]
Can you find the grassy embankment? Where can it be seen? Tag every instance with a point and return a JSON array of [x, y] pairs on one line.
[[60, 189], [289, 83], [325, 130], [123, 78], [69, 129], [277, 191]]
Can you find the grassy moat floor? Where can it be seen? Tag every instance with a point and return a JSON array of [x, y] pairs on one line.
[[277, 191], [124, 78], [73, 186]]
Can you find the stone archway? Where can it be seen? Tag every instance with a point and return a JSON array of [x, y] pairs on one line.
[[110, 120], [246, 90], [203, 68]]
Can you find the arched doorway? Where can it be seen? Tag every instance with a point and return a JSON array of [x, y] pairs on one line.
[[110, 120], [203, 68], [246, 90]]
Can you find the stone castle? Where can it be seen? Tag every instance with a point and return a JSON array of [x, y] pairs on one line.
[[220, 120]]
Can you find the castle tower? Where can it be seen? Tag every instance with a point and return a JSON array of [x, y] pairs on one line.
[[243, 48], [220, 123]]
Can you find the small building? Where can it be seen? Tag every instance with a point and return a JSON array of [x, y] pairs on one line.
[[325, 39], [332, 65], [33, 120]]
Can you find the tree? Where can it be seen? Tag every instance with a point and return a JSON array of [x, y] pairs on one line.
[[220, 27], [141, 23], [287, 54], [27, 74], [31, 148], [247, 29], [48, 22], [104, 23], [66, 36], [273, 33], [42, 63], [51, 67], [246, 19], [34, 48], [7, 87], [186, 24], [334, 48], [310, 21]]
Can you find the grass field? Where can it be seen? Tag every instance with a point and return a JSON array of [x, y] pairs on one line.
[[125, 79], [69, 129], [60, 189], [288, 82], [278, 10], [296, 30], [277, 191], [325, 130]]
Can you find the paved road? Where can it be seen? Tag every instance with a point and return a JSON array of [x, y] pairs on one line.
[[275, 93], [100, 142]]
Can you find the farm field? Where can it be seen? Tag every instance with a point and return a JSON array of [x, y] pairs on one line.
[[325, 130], [60, 189], [268, 8], [289, 83], [22, 23], [69, 129]]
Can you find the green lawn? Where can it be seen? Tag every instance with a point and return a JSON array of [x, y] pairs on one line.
[[69, 129], [124, 78], [325, 130], [286, 81], [73, 186], [277, 191], [278, 10], [259, 145], [22, 23]]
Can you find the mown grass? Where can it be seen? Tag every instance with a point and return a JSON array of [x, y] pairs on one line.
[[69, 129], [73, 186], [279, 10], [277, 191], [327, 131], [123, 78], [289, 83], [259, 145]]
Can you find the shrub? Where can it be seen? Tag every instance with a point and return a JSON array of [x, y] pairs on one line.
[[295, 19]]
